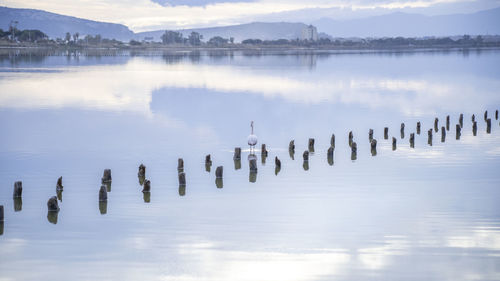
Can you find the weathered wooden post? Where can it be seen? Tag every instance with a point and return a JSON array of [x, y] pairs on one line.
[[277, 164], [1, 213], [330, 155], [147, 186], [237, 164], [402, 130], [59, 194], [291, 149], [443, 134], [180, 165], [418, 128], [252, 163], [474, 128], [354, 151], [429, 137], [458, 131], [182, 178], [486, 115], [370, 135], [393, 143], [473, 118], [142, 171], [305, 155], [219, 182], [496, 114], [263, 150], [461, 120], [18, 189], [263, 154], [59, 185], [52, 204], [351, 136], [106, 177], [141, 174], [412, 140], [208, 161], [311, 145], [488, 126], [218, 172], [447, 122], [386, 133], [237, 153], [373, 146], [332, 141], [436, 121], [103, 193]]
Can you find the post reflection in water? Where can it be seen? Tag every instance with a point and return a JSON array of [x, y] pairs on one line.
[[18, 204], [59, 195], [182, 190], [354, 221], [146, 196], [52, 216], [103, 207]]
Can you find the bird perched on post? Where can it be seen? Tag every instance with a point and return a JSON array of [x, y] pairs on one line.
[[252, 139]]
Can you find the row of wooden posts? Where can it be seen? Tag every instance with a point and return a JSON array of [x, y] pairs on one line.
[[53, 206]]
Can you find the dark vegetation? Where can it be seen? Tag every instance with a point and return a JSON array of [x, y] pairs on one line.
[[36, 38]]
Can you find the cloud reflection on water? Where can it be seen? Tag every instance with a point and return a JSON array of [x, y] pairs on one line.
[[129, 87]]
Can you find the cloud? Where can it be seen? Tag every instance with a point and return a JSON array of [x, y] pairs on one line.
[[143, 15]]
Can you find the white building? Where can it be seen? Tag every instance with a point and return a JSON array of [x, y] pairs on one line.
[[310, 33]]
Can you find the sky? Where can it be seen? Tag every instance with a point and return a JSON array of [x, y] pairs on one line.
[[145, 15]]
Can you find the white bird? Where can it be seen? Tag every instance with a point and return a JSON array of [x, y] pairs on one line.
[[252, 139]]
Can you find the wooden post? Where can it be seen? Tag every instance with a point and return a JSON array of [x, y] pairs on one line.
[[218, 172], [350, 138], [252, 163], [370, 135], [474, 128], [386, 133], [106, 177], [59, 186], [103, 193], [52, 205], [412, 140], [305, 155], [443, 134], [373, 146], [473, 118], [402, 130], [277, 164], [393, 143], [142, 171], [447, 122], [311, 145], [429, 137], [354, 151], [263, 150], [237, 153], [18, 189], [418, 128], [486, 115], [458, 131], [332, 141], [146, 186], [1, 213], [436, 121], [461, 120], [488, 126], [496, 114], [182, 178], [180, 165]]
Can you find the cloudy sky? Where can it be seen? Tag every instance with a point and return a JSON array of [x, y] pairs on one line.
[[143, 15]]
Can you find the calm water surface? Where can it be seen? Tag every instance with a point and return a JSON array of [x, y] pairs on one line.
[[422, 213]]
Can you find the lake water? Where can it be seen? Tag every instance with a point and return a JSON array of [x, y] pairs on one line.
[[422, 213]]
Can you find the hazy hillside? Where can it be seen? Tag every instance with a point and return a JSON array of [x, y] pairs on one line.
[[255, 30], [407, 25], [56, 25]]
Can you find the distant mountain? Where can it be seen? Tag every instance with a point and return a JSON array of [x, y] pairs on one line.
[[413, 25], [255, 30], [56, 26]]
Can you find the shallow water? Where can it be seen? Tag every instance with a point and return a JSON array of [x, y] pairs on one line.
[[422, 213]]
